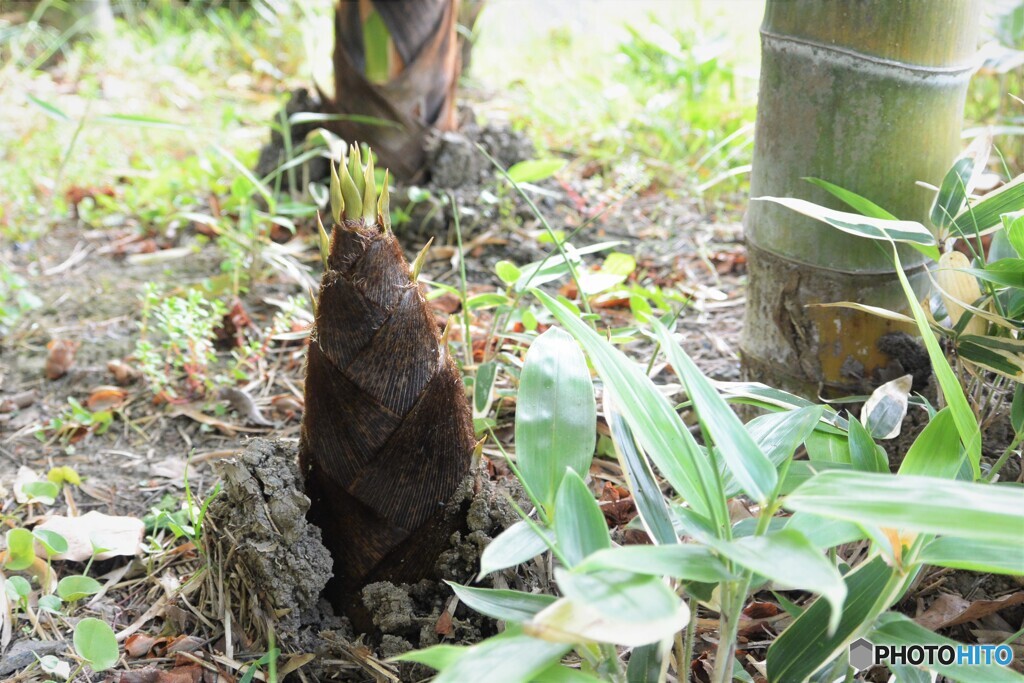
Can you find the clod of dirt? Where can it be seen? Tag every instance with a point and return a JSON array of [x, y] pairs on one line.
[[455, 161], [260, 528], [274, 562]]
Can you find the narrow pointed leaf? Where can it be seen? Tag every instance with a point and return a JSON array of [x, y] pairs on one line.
[[754, 472], [579, 523], [936, 451], [337, 199], [865, 455], [687, 562], [963, 416], [650, 502], [369, 194], [915, 503], [986, 213], [353, 199], [517, 544], [507, 605], [976, 556], [806, 645], [656, 425], [790, 560], [862, 205]]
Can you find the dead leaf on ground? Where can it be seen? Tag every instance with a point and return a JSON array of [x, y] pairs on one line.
[[952, 610], [19, 401], [106, 398], [60, 358], [117, 536], [123, 373], [202, 418]]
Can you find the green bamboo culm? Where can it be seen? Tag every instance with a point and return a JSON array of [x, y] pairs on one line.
[[867, 95]]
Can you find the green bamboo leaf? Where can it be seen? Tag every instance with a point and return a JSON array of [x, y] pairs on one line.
[[801, 471], [517, 544], [650, 502], [826, 447], [806, 645], [579, 523], [789, 559], [865, 454], [1007, 272], [483, 388], [506, 605], [963, 416], [560, 673], [535, 170], [952, 193], [936, 451], [611, 607], [778, 435], [556, 414], [687, 562], [896, 629], [512, 657], [645, 663], [656, 425], [754, 472], [985, 214], [823, 532], [861, 205], [438, 657], [1013, 223], [909, 232], [975, 556], [915, 503]]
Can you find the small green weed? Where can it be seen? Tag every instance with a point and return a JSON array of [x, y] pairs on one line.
[[175, 349]]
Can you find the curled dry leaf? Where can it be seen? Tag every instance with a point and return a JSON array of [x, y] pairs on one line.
[[19, 401], [106, 398], [60, 358], [117, 536], [123, 373]]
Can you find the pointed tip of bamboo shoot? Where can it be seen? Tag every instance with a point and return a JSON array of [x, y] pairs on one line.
[[384, 206], [353, 200], [369, 193], [337, 199], [443, 348], [355, 169], [421, 258], [325, 240]]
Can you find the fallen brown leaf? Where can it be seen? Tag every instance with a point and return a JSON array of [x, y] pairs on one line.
[[952, 610], [60, 358], [123, 373], [106, 398]]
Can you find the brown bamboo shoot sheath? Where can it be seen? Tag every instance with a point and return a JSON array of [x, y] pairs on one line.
[[387, 433]]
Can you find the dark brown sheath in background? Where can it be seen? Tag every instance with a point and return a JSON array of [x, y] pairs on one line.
[[387, 433]]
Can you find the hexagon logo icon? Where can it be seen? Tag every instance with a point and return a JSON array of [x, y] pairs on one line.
[[862, 654]]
